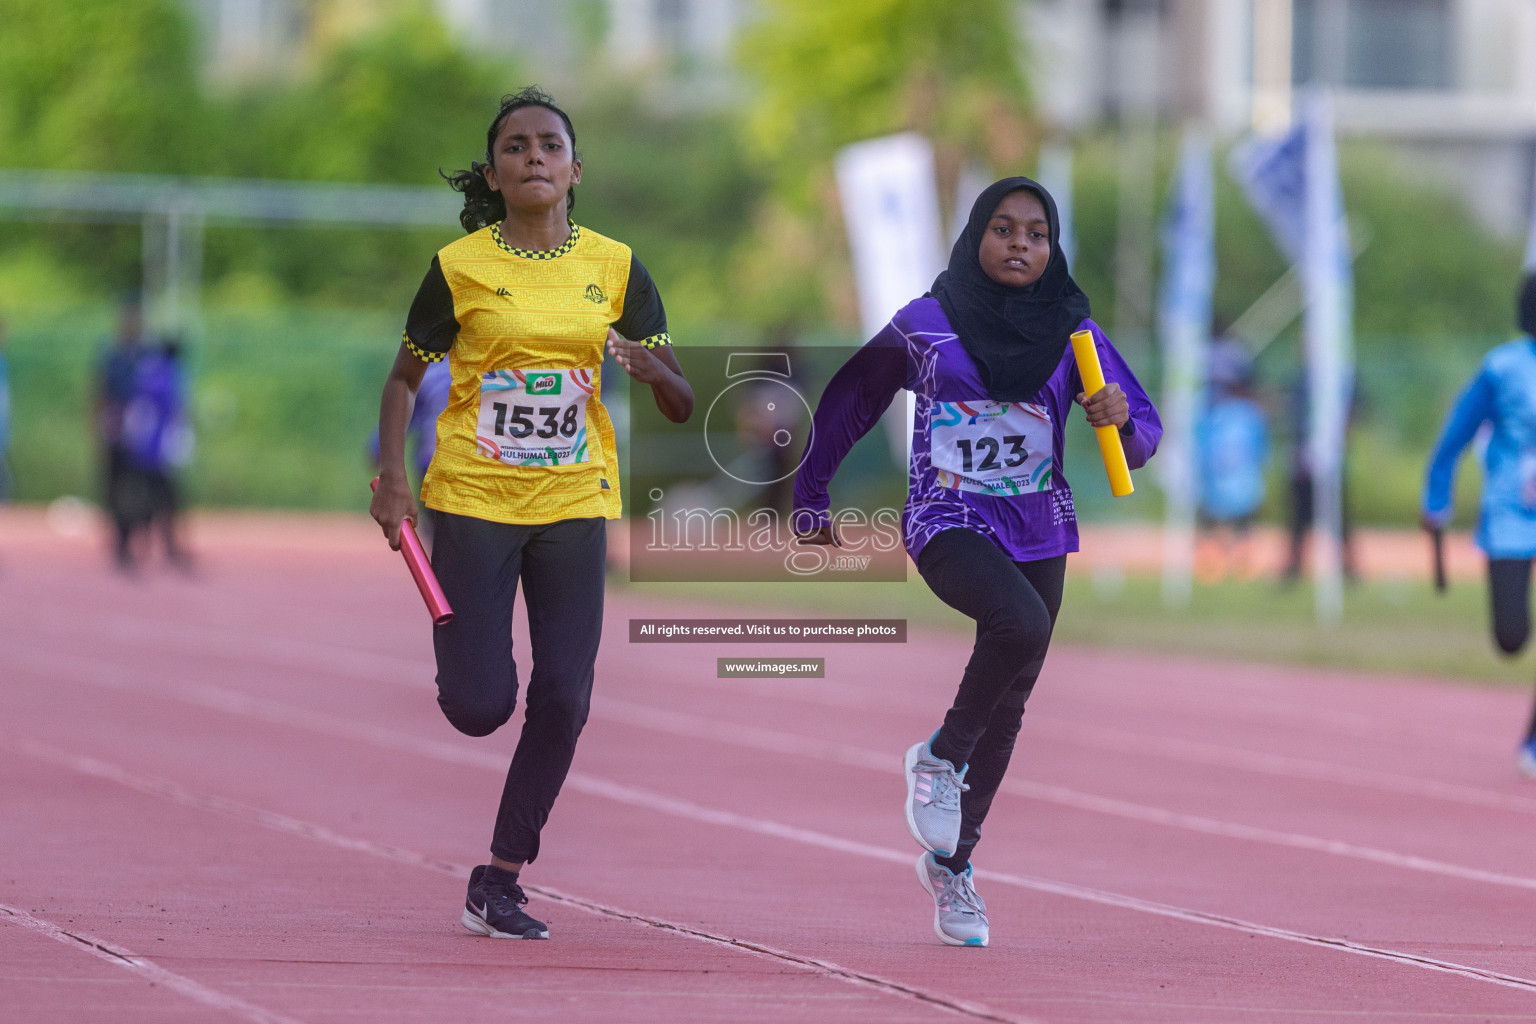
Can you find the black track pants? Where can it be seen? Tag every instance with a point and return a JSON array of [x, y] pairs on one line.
[[1509, 599], [479, 564], [1014, 605]]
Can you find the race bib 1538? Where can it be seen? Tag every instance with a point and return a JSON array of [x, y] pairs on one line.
[[534, 417], [992, 447]]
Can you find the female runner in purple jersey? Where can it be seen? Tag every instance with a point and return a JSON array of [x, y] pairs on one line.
[[989, 518]]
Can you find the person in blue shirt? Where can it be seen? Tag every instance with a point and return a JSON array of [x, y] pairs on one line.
[[1301, 514], [1232, 450], [123, 488], [1502, 394], [156, 436]]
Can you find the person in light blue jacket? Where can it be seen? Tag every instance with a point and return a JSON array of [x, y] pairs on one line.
[[1502, 394], [1231, 452]]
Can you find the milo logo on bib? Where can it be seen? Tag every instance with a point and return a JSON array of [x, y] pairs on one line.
[[544, 384]]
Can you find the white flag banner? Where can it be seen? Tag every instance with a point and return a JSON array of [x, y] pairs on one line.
[[1328, 283], [890, 205], [890, 201], [1184, 329], [1055, 173], [1293, 182]]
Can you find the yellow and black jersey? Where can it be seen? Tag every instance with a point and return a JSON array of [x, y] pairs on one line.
[[525, 437]]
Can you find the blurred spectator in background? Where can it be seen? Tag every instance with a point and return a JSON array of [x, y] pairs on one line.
[[1302, 510], [771, 422], [157, 440], [7, 482], [421, 430], [123, 489], [1502, 395], [1232, 448]]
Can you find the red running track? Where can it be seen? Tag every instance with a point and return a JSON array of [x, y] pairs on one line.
[[233, 798]]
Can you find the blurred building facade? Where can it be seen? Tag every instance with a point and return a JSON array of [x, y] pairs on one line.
[[1450, 83], [681, 49], [245, 39]]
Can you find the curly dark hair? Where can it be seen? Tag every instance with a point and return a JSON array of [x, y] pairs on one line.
[[483, 205]]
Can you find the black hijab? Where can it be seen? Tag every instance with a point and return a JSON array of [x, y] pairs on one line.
[[1525, 318], [1015, 335]]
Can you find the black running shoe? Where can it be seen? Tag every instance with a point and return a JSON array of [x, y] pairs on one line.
[[496, 910]]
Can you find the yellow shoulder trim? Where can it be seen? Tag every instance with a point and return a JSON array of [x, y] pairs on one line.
[[419, 352]]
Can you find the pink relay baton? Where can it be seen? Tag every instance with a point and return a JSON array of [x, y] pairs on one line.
[[421, 571]]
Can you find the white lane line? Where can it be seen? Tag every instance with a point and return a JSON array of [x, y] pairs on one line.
[[1216, 755], [730, 819], [276, 713], [153, 786], [143, 967], [692, 726], [1122, 741], [244, 645], [372, 667], [679, 723]]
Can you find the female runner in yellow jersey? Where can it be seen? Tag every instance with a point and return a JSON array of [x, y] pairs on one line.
[[525, 473]]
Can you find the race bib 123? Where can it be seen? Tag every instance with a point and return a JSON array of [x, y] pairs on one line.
[[992, 447]]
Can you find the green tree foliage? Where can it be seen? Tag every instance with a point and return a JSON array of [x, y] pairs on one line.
[[393, 105], [681, 192], [100, 85], [396, 105], [113, 85], [103, 85], [830, 72], [1429, 269]]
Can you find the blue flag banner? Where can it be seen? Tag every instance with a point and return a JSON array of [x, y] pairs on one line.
[[1272, 173], [1293, 183]]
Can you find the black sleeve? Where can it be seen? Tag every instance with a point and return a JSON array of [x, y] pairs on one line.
[[643, 319], [430, 327]]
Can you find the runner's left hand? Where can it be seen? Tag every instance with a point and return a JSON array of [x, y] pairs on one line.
[[1107, 408], [638, 361], [825, 535]]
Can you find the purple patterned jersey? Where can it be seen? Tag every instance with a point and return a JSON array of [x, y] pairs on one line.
[[976, 464]]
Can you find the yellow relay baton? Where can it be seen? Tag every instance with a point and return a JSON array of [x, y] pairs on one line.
[[1087, 356]]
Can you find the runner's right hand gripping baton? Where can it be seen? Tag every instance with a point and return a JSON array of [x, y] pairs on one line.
[[421, 572], [1088, 368]]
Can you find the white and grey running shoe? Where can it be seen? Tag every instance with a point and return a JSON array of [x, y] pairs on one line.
[[959, 915], [933, 800]]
